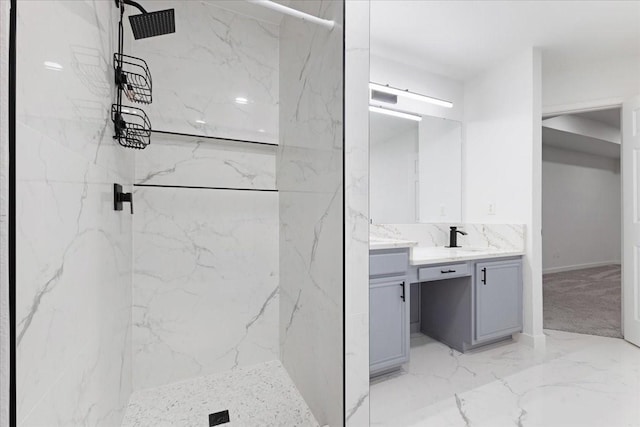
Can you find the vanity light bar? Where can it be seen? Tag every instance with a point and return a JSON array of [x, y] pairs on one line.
[[293, 12], [394, 113], [411, 95]]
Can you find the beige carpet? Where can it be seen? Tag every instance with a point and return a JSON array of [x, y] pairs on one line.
[[584, 301]]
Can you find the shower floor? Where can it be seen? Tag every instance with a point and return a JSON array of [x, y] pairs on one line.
[[259, 395]]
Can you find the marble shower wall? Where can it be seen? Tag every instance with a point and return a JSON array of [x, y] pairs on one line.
[[74, 257], [310, 180], [214, 57], [206, 296], [357, 213], [205, 284], [5, 343]]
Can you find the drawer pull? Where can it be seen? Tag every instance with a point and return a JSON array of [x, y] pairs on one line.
[[443, 272]]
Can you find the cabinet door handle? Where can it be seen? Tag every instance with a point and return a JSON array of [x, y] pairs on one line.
[[484, 276], [447, 271], [402, 296]]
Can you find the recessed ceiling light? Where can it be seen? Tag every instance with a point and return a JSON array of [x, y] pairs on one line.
[[410, 95], [261, 130], [53, 66], [395, 113], [241, 100], [201, 122]]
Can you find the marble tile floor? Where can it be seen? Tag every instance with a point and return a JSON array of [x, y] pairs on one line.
[[259, 395], [577, 380]]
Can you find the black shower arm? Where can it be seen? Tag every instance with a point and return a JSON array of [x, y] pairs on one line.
[[132, 3]]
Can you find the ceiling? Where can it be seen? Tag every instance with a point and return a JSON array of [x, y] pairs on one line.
[[609, 117], [462, 38], [583, 143], [580, 143]]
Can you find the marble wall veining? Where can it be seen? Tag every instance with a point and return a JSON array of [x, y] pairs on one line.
[[206, 284], [73, 254], [311, 184], [496, 236], [214, 57], [357, 213], [5, 341], [200, 162]]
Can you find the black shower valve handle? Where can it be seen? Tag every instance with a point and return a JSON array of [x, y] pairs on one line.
[[128, 197], [119, 197]]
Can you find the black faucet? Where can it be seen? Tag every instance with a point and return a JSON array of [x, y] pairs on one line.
[[453, 237]]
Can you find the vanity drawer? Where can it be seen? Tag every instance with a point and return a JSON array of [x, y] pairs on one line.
[[388, 263], [443, 272]]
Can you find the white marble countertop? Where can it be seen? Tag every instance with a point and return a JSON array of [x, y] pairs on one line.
[[426, 255], [383, 243]]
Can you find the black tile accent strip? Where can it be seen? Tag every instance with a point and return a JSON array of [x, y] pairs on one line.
[[273, 190], [191, 135]]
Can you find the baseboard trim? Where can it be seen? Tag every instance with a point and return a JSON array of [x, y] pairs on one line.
[[579, 267], [414, 327], [538, 342]]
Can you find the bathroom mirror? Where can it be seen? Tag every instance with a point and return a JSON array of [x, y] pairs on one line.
[[415, 169]]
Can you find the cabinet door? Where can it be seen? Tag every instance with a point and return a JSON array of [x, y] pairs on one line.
[[498, 298], [388, 323]]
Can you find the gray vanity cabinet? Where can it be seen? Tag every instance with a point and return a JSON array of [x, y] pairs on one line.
[[388, 324], [498, 299], [388, 310]]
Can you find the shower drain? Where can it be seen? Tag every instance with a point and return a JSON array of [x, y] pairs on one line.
[[218, 418]]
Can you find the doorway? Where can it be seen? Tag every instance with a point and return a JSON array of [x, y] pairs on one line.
[[581, 214]]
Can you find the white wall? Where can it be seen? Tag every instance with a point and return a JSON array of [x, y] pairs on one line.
[[581, 210], [498, 164], [393, 178], [589, 82], [503, 162], [405, 76]]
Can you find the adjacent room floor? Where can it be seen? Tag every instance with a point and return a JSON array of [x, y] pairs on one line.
[[584, 301], [578, 380], [260, 395]]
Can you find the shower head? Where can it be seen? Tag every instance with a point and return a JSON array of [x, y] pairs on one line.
[[149, 24], [153, 24]]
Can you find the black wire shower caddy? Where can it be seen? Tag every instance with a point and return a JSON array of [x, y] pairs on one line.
[[133, 79]]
